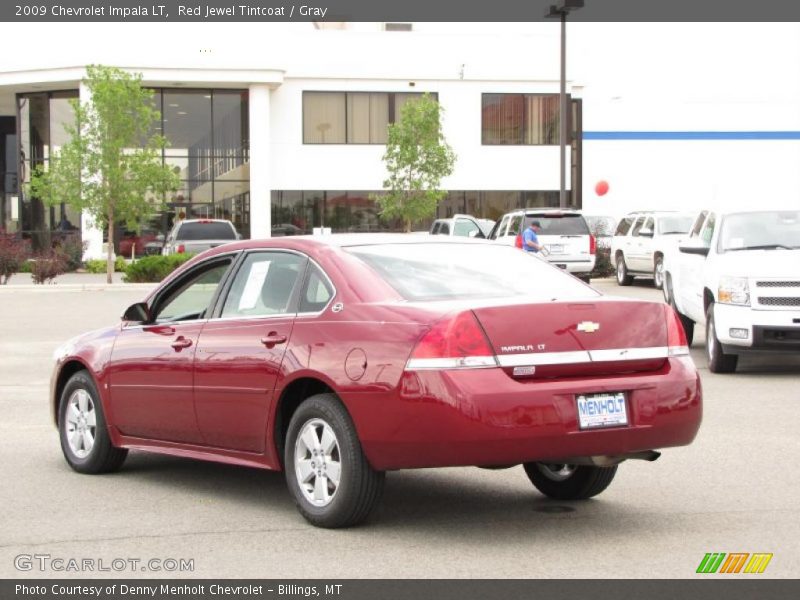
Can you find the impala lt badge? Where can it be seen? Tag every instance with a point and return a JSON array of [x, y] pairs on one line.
[[587, 326]]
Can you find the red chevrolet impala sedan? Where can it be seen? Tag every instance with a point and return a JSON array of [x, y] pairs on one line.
[[339, 358]]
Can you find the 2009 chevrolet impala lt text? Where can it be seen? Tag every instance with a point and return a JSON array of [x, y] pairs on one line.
[[338, 358]]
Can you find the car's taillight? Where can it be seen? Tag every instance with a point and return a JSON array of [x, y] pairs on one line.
[[181, 249], [456, 342], [592, 245], [518, 241], [676, 336]]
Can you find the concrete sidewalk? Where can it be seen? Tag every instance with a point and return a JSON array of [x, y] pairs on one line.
[[73, 281]]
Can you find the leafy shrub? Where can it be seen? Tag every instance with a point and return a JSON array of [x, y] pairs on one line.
[[98, 265], [95, 265], [152, 269], [72, 249], [48, 265], [13, 254]]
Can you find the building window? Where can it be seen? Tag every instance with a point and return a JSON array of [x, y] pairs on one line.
[[520, 119], [351, 117]]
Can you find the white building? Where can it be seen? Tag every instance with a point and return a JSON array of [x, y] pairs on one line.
[[279, 127]]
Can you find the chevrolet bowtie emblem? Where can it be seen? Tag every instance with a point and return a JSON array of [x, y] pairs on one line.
[[587, 326]]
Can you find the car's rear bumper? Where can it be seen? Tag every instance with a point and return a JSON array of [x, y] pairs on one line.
[[485, 417], [573, 266], [758, 330]]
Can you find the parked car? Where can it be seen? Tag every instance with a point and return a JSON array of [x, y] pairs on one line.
[[462, 225], [641, 241], [135, 242], [739, 273], [338, 358], [192, 236], [564, 234]]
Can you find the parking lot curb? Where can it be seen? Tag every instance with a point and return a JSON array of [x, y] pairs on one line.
[[77, 287]]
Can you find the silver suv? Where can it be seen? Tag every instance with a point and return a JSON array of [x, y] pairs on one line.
[[563, 233]]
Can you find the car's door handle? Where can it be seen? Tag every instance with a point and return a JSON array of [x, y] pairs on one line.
[[273, 338], [181, 343]]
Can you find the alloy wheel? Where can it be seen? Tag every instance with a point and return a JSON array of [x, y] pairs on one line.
[[81, 423], [317, 462]]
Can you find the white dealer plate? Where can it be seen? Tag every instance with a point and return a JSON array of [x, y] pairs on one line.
[[602, 410], [556, 248]]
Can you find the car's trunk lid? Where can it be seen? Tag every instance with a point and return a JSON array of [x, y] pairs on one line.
[[576, 338]]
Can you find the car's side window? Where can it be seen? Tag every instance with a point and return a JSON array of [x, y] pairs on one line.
[[435, 229], [698, 224], [637, 226], [708, 230], [499, 229], [515, 227], [624, 226], [444, 228], [649, 225], [465, 227], [263, 285], [190, 297], [317, 292]]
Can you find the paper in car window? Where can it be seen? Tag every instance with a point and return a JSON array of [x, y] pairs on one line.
[[255, 282]]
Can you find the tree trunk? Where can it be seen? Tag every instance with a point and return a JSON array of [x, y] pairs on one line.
[[110, 249]]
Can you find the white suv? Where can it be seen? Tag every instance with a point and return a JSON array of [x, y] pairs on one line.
[[739, 272], [564, 234], [642, 239]]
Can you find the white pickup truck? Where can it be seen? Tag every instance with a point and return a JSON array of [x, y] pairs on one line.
[[739, 273]]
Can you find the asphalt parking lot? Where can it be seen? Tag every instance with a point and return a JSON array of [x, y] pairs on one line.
[[735, 489]]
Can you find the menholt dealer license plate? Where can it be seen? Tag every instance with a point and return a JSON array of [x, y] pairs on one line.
[[602, 410]]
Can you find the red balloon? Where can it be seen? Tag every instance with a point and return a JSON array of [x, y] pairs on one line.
[[601, 188]]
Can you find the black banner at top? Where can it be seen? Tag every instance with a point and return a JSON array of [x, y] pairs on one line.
[[395, 10]]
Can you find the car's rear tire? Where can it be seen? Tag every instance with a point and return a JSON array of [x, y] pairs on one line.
[[686, 322], [658, 272], [327, 473], [718, 361], [569, 482], [623, 278], [82, 428]]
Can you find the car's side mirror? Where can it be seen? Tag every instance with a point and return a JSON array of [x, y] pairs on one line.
[[160, 238], [238, 236], [699, 250], [473, 233], [137, 313], [646, 232]]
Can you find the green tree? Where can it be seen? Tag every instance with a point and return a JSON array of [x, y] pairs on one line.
[[417, 157], [111, 166]]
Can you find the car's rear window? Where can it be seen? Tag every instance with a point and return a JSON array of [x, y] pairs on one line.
[[569, 224], [206, 230], [430, 271]]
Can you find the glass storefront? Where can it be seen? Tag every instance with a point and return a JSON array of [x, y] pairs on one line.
[[207, 134], [9, 200], [42, 119]]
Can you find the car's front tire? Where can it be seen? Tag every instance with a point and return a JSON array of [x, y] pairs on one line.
[[623, 278], [718, 361], [327, 473], [569, 482], [82, 428]]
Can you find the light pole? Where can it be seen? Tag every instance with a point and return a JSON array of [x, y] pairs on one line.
[[560, 11]]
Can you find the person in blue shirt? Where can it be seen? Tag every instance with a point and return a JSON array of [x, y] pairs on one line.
[[530, 239]]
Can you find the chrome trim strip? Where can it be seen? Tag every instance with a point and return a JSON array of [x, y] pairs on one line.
[[581, 356], [543, 358], [629, 354]]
